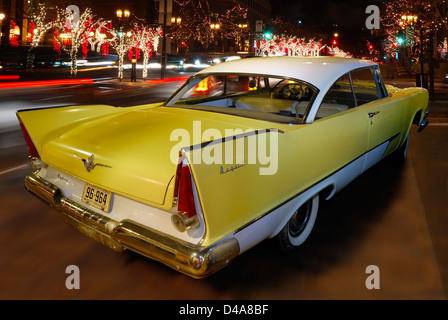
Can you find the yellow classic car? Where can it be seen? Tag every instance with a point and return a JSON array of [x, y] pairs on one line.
[[242, 152]]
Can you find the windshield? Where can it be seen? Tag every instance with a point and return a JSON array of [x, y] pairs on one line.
[[261, 97]]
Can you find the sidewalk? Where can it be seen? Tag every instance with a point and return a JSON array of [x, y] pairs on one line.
[[438, 101]]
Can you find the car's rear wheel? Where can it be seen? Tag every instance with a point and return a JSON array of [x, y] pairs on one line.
[[299, 226]]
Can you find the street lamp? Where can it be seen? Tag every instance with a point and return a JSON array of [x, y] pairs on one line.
[[214, 29], [215, 26], [120, 14], [408, 19], [174, 21], [240, 36]]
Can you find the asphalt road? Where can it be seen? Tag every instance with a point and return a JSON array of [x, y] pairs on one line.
[[393, 217]]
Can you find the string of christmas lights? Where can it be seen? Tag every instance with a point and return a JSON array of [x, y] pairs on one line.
[[71, 33], [121, 43], [416, 20], [291, 46], [147, 41], [39, 25], [199, 23]]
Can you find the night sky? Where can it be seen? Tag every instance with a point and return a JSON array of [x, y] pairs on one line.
[[345, 13], [325, 16]]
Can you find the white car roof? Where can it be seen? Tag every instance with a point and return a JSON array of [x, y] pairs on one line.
[[320, 71]]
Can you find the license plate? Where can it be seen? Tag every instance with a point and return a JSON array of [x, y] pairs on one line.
[[96, 197]]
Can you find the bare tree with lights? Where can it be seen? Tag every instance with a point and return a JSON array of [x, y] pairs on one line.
[[231, 22], [121, 42], [419, 22], [291, 46], [146, 40], [40, 25], [199, 23], [72, 32], [98, 35], [196, 21]]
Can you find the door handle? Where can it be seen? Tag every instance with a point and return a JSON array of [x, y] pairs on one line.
[[372, 114]]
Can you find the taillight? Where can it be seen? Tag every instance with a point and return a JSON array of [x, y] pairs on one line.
[[31, 148], [186, 216], [186, 196]]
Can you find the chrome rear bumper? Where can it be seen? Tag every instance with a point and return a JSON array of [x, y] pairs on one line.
[[193, 260]]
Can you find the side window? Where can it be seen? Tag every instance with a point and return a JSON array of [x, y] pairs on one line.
[[364, 86], [235, 84], [240, 84], [338, 98]]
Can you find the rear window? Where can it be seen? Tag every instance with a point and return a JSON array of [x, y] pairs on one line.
[[254, 96]]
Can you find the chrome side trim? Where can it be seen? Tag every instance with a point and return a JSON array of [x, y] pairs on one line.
[[193, 260]]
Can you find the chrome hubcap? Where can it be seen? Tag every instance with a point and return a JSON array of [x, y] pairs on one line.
[[300, 219]]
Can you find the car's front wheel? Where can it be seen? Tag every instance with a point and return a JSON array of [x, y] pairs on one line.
[[399, 155], [299, 226]]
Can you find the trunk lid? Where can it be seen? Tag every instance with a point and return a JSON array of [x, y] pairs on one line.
[[136, 151]]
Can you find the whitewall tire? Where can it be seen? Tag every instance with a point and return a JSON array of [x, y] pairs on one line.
[[299, 226]]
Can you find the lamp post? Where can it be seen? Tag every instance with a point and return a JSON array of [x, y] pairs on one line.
[[176, 21], [407, 21], [242, 27], [2, 16], [122, 15], [214, 27], [410, 20]]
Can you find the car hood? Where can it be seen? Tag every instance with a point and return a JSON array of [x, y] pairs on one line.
[[135, 150]]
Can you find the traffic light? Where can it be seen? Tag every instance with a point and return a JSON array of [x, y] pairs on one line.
[[400, 38], [267, 33], [334, 42]]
